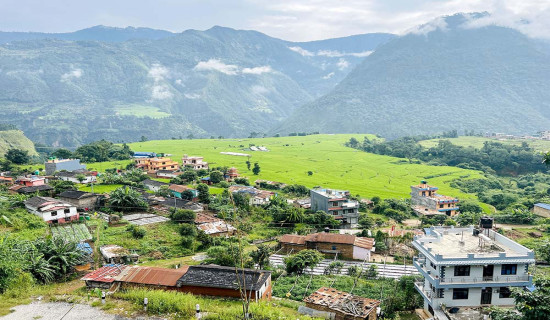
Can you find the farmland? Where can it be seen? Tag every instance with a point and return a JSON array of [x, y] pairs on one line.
[[477, 142], [330, 162]]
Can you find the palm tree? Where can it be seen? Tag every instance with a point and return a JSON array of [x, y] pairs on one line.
[[127, 199]]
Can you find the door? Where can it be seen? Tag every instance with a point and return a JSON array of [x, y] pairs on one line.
[[486, 295], [488, 272]]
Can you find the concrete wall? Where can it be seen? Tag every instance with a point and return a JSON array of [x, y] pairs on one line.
[[541, 212], [361, 253], [88, 202]]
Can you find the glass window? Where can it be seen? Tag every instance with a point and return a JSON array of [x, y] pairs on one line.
[[460, 294], [441, 205], [333, 247], [505, 292], [462, 271], [54, 213], [67, 210], [508, 269]]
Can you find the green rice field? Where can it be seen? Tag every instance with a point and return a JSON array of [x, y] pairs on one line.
[[477, 142], [332, 165]]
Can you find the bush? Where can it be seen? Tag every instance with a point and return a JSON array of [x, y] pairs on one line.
[[188, 230], [183, 216], [138, 232]]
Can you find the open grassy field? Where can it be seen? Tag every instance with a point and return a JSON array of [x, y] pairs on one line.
[[477, 142], [138, 110], [332, 164], [99, 188]]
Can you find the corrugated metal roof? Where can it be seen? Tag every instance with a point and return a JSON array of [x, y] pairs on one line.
[[216, 227], [293, 239], [543, 205], [350, 305], [331, 238], [366, 243], [106, 273], [152, 275]]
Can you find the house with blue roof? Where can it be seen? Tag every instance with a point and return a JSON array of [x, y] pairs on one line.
[[542, 209]]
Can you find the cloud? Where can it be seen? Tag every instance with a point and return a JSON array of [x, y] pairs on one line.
[[328, 76], [342, 64], [435, 24], [75, 73], [192, 96], [257, 70], [217, 65], [258, 89], [302, 51], [159, 90], [329, 53], [230, 69], [158, 72]]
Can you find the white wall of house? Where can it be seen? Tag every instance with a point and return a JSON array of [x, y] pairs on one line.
[[361, 253], [474, 298], [89, 179], [50, 215]]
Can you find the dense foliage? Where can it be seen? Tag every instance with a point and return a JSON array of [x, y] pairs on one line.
[[493, 157], [102, 150]]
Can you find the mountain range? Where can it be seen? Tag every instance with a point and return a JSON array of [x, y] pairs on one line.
[[125, 84], [218, 82]]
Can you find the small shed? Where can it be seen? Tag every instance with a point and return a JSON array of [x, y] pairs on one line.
[[104, 277], [542, 209], [113, 253]]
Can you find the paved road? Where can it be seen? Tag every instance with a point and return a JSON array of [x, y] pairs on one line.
[[387, 271]]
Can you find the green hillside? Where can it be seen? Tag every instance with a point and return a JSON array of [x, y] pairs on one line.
[[477, 142], [333, 165], [15, 139]]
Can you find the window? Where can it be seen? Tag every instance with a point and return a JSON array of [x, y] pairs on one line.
[[335, 204], [462, 271], [460, 294], [54, 213], [423, 193], [508, 269], [333, 247], [449, 205], [441, 205], [504, 292], [67, 210], [433, 265]]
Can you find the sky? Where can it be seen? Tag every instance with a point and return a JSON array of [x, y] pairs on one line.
[[298, 20]]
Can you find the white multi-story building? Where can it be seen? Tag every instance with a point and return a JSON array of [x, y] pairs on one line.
[[467, 267], [52, 210], [336, 203]]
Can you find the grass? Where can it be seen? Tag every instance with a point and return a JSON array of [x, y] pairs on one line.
[[477, 142], [140, 111], [332, 164], [99, 188]]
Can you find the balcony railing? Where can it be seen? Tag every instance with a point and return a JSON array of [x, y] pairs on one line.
[[500, 279], [430, 295]]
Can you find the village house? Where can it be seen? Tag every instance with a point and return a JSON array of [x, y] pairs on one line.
[[167, 174], [208, 280], [154, 185], [88, 177], [330, 303], [140, 154], [213, 226], [302, 203], [52, 210], [213, 280], [152, 165], [177, 191], [113, 253], [53, 165], [256, 197], [231, 174], [31, 181], [426, 201], [469, 267], [6, 181], [80, 199], [194, 162], [104, 277], [266, 184], [41, 189], [345, 246], [542, 209], [337, 204]]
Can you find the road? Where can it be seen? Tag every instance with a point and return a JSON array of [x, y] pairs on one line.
[[58, 311], [387, 271]]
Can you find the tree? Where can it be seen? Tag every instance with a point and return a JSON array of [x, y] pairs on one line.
[[137, 232], [62, 154], [5, 165], [310, 173], [546, 158], [248, 164], [204, 193], [187, 195], [127, 199], [302, 260], [256, 170], [143, 139], [62, 185], [260, 256], [183, 216], [189, 176], [531, 305], [216, 176], [188, 230], [163, 191], [80, 177], [17, 156], [543, 251]]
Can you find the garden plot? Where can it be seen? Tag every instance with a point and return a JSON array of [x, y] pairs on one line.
[[73, 232], [141, 219]]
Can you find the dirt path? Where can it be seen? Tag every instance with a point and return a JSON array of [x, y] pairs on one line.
[[58, 311]]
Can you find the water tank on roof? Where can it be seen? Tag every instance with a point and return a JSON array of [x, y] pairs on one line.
[[486, 223]]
